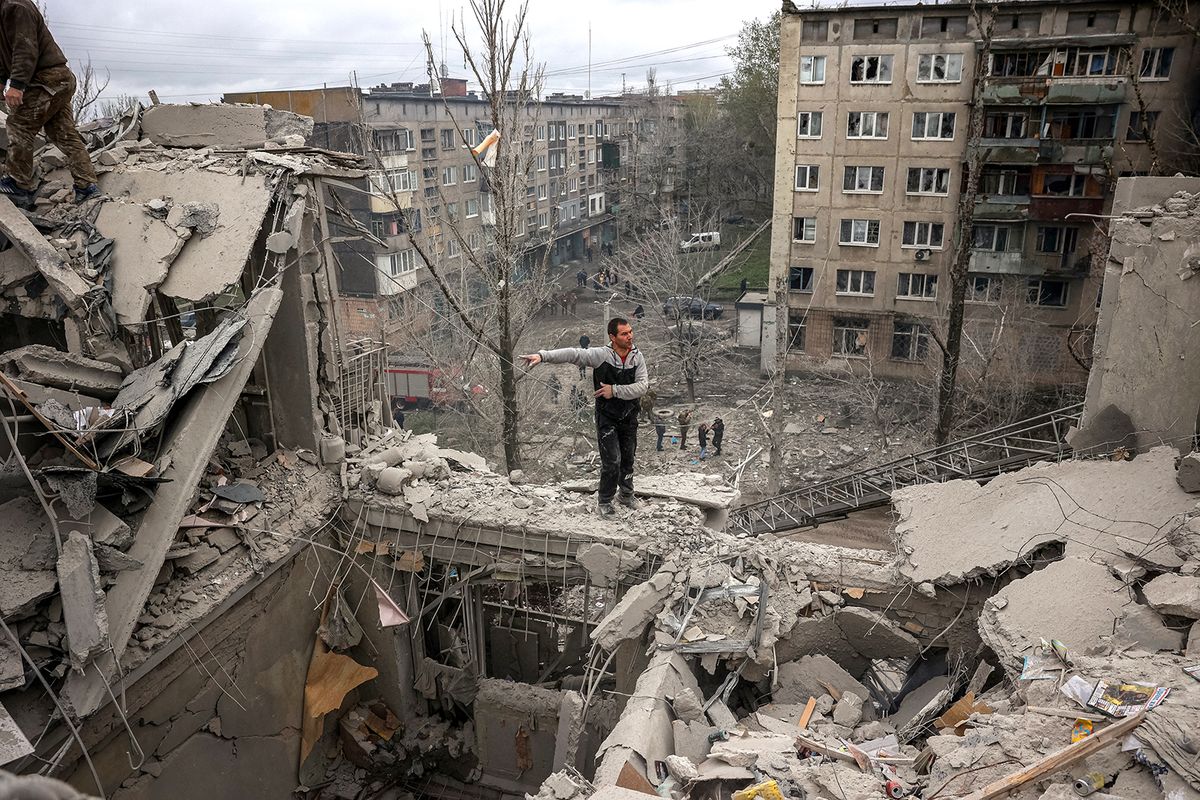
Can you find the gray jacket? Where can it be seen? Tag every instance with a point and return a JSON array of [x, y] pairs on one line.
[[628, 377]]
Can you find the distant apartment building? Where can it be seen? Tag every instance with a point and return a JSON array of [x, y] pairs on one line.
[[874, 111]]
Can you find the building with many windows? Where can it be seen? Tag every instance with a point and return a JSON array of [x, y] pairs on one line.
[[874, 117]]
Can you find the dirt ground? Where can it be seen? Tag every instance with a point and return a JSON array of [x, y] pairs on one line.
[[824, 436]]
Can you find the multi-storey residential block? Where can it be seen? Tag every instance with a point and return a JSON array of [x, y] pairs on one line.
[[874, 136]]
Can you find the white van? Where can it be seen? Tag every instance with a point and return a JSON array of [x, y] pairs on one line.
[[710, 240]]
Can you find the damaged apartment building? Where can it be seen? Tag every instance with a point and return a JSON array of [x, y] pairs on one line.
[[874, 133]]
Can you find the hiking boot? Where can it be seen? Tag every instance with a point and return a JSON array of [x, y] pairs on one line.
[[86, 192], [607, 510], [22, 198], [629, 501]]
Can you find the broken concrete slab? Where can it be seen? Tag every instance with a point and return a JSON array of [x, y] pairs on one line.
[[1072, 600], [874, 635], [704, 490], [953, 531], [606, 565], [1174, 594], [1146, 630], [220, 125], [692, 739], [20, 588], [65, 282], [144, 247], [1188, 474], [633, 612], [46, 366], [206, 265], [13, 744], [820, 635], [83, 600], [813, 676]]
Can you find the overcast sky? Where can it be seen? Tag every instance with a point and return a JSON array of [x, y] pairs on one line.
[[194, 51]]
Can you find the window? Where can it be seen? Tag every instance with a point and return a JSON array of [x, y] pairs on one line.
[[448, 176], [814, 30], [862, 179], [428, 153], [543, 220], [1056, 239], [468, 136], [474, 240], [1004, 182], [804, 229], [431, 191], [850, 336], [916, 285], [983, 289], [800, 279], [470, 173], [541, 191], [928, 180], [591, 156], [808, 125], [807, 177], [939, 68], [812, 69], [452, 248], [1021, 63], [435, 211], [1156, 63], [573, 185], [867, 125], [860, 232], [541, 133], [996, 238], [1006, 125], [885, 28], [933, 125], [910, 341], [923, 234], [1025, 23], [452, 211], [1090, 62], [1066, 185], [428, 135], [796, 329], [871, 69], [401, 263], [1046, 292], [856, 281], [377, 228], [541, 163], [951, 26], [448, 136], [472, 208], [1141, 126], [580, 130], [383, 183], [1077, 123]]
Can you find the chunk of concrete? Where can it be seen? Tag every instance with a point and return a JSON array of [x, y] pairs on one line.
[[849, 710], [280, 242], [47, 366], [1174, 594], [605, 564], [391, 480], [813, 676], [1188, 474], [220, 125], [84, 609], [692, 739], [633, 612], [143, 249], [1146, 630], [820, 635], [874, 636], [21, 589]]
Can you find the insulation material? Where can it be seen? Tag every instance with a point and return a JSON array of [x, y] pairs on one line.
[[331, 676]]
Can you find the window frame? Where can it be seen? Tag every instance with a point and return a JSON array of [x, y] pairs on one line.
[[813, 116], [807, 279], [941, 122], [906, 281], [813, 62], [916, 339], [857, 325], [929, 226], [921, 62], [874, 172], [1148, 68], [865, 282], [812, 173], [887, 59], [867, 230], [993, 293], [938, 174], [878, 119], [804, 222], [1037, 285]]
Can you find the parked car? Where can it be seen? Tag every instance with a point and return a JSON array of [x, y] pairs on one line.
[[708, 240], [694, 307]]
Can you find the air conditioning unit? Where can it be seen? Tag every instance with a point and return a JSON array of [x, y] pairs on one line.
[[922, 255]]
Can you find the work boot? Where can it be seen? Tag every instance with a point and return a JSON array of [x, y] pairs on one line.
[[629, 501], [22, 198], [607, 510], [83, 193]]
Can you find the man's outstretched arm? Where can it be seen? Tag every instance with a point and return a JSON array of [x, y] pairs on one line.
[[579, 356]]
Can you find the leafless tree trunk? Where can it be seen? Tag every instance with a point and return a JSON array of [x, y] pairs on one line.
[[89, 85], [964, 233]]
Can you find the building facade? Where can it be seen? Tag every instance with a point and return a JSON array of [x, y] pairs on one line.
[[873, 140]]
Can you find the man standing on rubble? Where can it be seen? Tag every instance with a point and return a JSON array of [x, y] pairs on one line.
[[620, 377], [38, 93]]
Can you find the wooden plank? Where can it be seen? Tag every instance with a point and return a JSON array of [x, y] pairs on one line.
[[1059, 760], [809, 707]]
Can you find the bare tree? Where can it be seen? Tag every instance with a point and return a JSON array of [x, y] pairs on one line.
[[951, 342], [89, 85]]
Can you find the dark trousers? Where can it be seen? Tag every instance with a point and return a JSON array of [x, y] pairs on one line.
[[661, 430], [617, 441], [683, 429], [717, 437]]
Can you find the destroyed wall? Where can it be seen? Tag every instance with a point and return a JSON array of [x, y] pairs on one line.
[[1144, 389]]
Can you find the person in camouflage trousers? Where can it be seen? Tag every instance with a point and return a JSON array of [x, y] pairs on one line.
[[38, 95]]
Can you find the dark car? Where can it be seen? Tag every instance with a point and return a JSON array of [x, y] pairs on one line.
[[694, 307]]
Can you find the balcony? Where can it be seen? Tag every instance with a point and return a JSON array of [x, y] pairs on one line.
[[1002, 208], [1075, 151], [1064, 90], [1003, 263], [1009, 151]]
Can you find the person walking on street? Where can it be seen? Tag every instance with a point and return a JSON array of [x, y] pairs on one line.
[[584, 341], [702, 434], [40, 89], [718, 433], [620, 377], [685, 422], [581, 278], [660, 429]]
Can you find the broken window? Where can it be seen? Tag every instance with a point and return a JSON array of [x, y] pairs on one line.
[[428, 153], [1006, 125], [814, 30], [1057, 239], [923, 234], [1005, 182], [1141, 126], [812, 69], [983, 289], [910, 341], [862, 179], [800, 279], [1020, 63], [940, 68], [804, 229], [428, 135], [875, 28], [856, 281], [939, 26], [796, 329], [1047, 292], [996, 238], [1065, 185], [1156, 63], [928, 180], [867, 125], [916, 285], [933, 125], [861, 232], [1025, 23], [808, 125], [871, 69], [850, 336], [807, 177]]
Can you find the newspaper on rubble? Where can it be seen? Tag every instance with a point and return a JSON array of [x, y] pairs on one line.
[[1126, 699]]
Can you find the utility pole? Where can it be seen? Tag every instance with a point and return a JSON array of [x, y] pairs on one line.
[[431, 66]]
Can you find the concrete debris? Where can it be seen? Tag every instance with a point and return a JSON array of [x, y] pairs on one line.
[[1178, 595], [1188, 474], [41, 364], [633, 612], [84, 610], [606, 565], [221, 125], [815, 675]]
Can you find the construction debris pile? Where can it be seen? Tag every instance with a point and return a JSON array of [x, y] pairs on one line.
[[1027, 634]]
